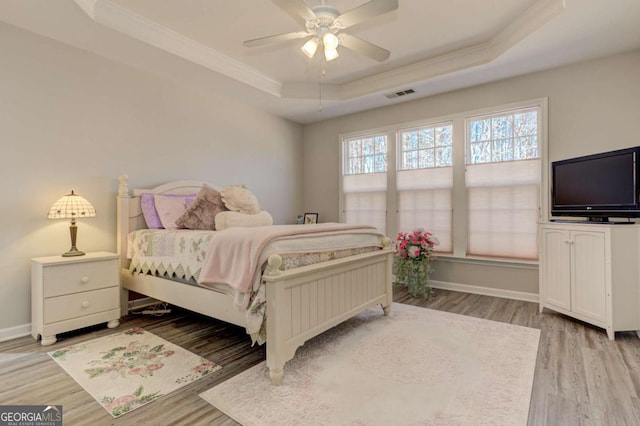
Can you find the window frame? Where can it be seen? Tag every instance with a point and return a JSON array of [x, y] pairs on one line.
[[399, 148], [460, 137]]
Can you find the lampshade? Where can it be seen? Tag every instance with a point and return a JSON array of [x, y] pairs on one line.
[[329, 40], [310, 47], [72, 206], [330, 54]]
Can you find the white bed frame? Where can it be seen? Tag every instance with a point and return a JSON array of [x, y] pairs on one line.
[[301, 303]]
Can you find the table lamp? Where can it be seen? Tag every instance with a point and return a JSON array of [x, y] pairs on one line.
[[72, 206]]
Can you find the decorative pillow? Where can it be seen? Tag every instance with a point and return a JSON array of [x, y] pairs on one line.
[[231, 219], [148, 205], [202, 212], [239, 199], [169, 210]]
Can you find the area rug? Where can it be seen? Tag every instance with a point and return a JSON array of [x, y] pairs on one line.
[[126, 370], [416, 367]]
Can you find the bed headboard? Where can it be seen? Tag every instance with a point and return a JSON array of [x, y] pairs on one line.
[[129, 216]]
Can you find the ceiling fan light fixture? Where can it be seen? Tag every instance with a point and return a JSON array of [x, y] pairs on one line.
[[330, 54], [310, 47], [330, 41]]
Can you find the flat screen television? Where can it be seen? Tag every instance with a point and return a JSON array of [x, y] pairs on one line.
[[597, 186]]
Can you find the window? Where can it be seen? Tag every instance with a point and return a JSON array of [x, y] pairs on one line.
[[473, 179], [424, 181], [364, 183], [503, 184]]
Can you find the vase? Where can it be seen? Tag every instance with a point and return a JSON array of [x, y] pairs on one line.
[[416, 278]]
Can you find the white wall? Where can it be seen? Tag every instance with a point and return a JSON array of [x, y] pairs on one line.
[[593, 106], [72, 120]]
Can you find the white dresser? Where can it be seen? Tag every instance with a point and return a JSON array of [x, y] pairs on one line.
[[68, 293]]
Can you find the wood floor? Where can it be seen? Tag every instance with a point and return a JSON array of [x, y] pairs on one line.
[[581, 377]]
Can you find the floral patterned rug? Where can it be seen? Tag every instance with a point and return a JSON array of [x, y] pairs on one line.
[[126, 370], [416, 367]]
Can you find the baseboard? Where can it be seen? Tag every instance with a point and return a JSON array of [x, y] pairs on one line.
[[486, 291], [15, 332]]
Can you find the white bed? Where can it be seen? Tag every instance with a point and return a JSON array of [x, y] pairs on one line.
[[301, 302]]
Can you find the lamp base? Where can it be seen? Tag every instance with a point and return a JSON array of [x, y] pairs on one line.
[[73, 252]]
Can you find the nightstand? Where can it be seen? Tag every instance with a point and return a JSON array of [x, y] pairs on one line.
[[68, 293]]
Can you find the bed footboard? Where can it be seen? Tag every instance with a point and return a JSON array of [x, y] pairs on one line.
[[305, 302]]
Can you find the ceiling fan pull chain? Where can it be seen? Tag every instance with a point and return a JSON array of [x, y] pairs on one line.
[[322, 74]]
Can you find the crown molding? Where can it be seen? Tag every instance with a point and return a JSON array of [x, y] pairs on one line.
[[123, 20]]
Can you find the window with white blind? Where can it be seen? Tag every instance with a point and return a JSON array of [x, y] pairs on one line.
[[503, 178], [424, 181], [364, 181], [473, 179]]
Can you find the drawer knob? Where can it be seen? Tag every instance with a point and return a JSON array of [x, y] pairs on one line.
[[85, 304], [84, 279]]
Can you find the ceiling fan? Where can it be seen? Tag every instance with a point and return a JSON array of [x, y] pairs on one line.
[[324, 26]]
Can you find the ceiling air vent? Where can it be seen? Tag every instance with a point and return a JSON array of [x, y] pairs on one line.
[[400, 93]]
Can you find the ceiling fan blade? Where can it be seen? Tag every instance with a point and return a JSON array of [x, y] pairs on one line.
[[297, 9], [275, 39], [366, 11], [363, 47]]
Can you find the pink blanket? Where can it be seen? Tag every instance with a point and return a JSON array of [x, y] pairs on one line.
[[235, 255]]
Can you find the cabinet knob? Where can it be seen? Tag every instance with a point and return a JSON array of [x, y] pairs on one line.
[[85, 304], [84, 279]]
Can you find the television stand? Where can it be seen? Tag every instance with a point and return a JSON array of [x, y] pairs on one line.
[[590, 272]]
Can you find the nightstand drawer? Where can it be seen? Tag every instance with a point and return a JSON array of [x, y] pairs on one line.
[[80, 304], [82, 276]]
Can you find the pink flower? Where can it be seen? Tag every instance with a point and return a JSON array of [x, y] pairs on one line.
[[156, 366], [414, 251], [122, 401], [202, 368]]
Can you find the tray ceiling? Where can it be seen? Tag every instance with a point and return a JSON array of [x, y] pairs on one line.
[[435, 45]]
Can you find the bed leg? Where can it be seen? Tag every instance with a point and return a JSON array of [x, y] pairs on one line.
[[386, 310], [276, 375]]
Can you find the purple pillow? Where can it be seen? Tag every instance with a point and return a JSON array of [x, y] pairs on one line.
[[148, 205]]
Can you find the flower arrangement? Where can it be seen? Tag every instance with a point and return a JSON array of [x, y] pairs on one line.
[[414, 254]]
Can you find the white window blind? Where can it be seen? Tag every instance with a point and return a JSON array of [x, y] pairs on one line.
[[424, 201], [503, 178], [365, 199], [424, 182], [364, 182]]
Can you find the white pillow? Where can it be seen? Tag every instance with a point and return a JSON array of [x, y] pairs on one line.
[[169, 210], [240, 199], [231, 219]]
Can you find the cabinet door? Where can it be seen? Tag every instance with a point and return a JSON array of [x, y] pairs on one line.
[[555, 268], [589, 286]]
